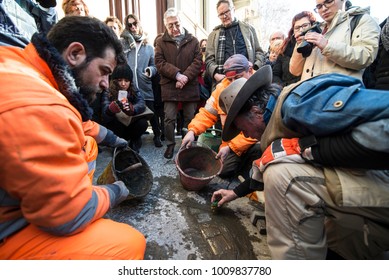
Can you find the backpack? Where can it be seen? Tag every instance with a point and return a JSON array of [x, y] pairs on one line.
[[330, 103]]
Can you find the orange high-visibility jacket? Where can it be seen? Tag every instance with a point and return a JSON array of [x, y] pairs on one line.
[[43, 169], [208, 116]]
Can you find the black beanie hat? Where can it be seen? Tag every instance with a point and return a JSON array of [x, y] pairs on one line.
[[122, 72]]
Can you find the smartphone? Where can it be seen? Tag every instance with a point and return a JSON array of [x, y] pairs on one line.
[[122, 95]]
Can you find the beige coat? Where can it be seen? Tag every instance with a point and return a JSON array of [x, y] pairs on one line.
[[342, 54]]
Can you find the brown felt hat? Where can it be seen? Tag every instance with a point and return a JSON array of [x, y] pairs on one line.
[[233, 98]]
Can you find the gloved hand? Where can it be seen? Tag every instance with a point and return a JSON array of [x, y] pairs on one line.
[[115, 107], [120, 143], [47, 3], [118, 193], [281, 150], [128, 109]]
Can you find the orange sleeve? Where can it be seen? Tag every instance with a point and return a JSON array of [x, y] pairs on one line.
[[47, 170]]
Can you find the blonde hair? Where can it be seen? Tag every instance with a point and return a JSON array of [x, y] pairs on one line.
[[67, 7], [115, 20]]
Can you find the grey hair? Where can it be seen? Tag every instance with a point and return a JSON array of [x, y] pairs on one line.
[[171, 12], [229, 2]]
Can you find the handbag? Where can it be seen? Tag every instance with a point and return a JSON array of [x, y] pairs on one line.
[[127, 120]]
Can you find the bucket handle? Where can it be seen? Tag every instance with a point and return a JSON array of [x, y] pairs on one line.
[[128, 168], [193, 143], [215, 130]]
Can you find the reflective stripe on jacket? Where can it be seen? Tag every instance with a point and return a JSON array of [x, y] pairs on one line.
[[208, 116], [43, 171]]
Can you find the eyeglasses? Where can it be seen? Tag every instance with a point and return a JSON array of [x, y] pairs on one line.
[[174, 24], [297, 28], [327, 4], [130, 24], [225, 14]]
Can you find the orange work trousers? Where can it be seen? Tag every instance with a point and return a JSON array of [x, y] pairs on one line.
[[102, 240]]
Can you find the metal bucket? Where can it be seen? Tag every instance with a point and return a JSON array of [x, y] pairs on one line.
[[129, 167], [197, 166], [212, 138]]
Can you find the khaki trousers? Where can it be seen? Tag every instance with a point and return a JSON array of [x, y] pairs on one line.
[[302, 220]]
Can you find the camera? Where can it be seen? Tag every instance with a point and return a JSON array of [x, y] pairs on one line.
[[305, 48]]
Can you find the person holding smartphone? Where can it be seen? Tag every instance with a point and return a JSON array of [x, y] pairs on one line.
[[125, 111]]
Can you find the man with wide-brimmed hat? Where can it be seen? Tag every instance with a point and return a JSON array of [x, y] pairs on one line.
[[324, 165], [237, 153]]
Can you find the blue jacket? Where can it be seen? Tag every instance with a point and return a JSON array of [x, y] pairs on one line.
[[20, 19], [139, 58], [332, 103]]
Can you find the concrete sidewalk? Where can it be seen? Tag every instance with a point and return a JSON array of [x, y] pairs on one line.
[[179, 224]]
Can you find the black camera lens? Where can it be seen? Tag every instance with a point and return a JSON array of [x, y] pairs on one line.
[[305, 48]]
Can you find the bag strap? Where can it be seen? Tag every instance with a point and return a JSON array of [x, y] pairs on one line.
[[354, 23]]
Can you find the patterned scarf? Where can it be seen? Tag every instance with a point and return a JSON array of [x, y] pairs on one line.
[[62, 75], [385, 35], [221, 48]]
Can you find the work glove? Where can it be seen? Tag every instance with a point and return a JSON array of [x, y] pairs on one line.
[[286, 150], [120, 143], [118, 192], [47, 3], [115, 107], [128, 109]]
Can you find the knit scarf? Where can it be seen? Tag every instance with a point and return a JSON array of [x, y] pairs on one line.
[[62, 75], [221, 48], [385, 35]]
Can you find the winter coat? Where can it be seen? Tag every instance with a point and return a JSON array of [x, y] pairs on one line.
[[208, 116], [139, 58], [20, 19], [43, 171], [342, 54], [136, 99], [255, 53], [171, 59]]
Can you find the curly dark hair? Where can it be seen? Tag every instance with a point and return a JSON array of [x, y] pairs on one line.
[[92, 33]]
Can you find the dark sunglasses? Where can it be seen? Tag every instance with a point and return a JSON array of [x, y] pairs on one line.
[[132, 24]]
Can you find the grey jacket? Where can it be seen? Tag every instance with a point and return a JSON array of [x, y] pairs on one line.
[[20, 19], [139, 58]]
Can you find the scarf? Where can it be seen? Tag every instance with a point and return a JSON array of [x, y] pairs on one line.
[[221, 48], [62, 75], [385, 35]]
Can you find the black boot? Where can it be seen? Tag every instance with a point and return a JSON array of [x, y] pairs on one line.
[[136, 144], [157, 141], [169, 151]]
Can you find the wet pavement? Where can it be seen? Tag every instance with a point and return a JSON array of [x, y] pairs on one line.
[[180, 224]]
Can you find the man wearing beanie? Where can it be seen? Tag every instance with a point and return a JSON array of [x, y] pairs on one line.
[[238, 153]]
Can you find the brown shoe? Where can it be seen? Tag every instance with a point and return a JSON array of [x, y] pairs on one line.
[[169, 151]]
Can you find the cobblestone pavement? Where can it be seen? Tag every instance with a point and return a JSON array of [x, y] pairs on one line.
[[179, 224]]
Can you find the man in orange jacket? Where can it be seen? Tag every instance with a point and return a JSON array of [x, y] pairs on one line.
[[49, 208], [237, 154]]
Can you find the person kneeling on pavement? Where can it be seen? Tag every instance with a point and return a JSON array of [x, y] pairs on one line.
[[238, 153], [126, 115], [49, 207], [324, 165]]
